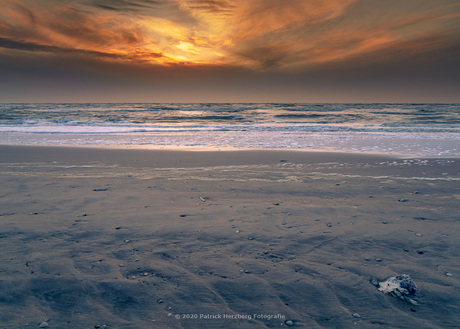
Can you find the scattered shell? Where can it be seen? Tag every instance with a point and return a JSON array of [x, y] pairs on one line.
[[44, 325], [237, 231], [401, 286], [289, 323], [356, 315], [449, 274], [418, 234]]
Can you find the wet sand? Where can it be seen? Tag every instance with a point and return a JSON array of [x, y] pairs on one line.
[[248, 239]]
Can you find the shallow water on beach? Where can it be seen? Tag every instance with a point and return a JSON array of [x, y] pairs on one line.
[[428, 130]]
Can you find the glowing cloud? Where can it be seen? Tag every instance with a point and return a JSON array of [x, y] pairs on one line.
[[256, 34]]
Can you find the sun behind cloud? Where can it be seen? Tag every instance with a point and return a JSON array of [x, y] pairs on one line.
[[258, 34]]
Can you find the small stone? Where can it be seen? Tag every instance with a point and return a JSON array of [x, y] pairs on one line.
[[289, 323], [160, 301], [250, 238], [146, 274], [237, 231], [418, 234], [356, 315], [402, 200], [379, 260], [44, 325], [449, 274], [126, 241]]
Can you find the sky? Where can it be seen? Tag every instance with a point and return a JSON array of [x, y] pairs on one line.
[[312, 51]]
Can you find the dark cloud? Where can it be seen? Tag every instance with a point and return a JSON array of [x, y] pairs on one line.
[[34, 47], [124, 5], [212, 6]]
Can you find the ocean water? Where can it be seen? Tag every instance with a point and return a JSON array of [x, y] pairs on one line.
[[429, 130]]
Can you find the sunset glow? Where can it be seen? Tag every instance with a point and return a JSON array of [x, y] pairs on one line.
[[258, 35]]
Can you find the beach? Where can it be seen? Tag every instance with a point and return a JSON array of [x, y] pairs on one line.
[[124, 238]]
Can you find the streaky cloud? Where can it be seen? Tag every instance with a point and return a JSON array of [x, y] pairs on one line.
[[34, 47]]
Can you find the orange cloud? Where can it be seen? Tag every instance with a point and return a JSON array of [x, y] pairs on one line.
[[257, 34]]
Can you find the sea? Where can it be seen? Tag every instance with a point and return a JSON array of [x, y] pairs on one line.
[[421, 130]]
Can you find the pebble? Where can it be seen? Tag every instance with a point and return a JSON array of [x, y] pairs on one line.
[[237, 231], [418, 234], [356, 315], [289, 323], [449, 274], [44, 325]]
